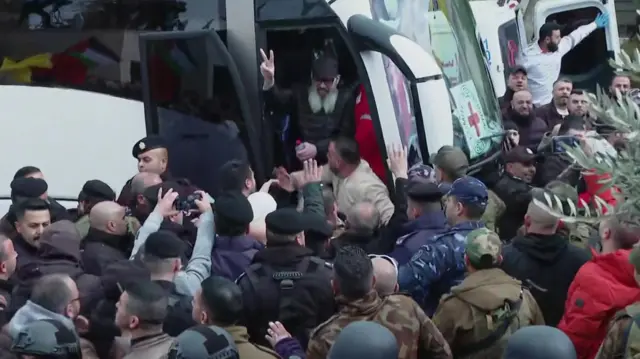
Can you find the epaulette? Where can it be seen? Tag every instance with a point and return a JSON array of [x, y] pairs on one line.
[[323, 325]]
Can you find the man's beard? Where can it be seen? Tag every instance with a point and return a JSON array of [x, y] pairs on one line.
[[552, 47], [327, 103]]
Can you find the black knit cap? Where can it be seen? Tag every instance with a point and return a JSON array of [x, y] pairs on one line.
[[234, 207], [164, 244], [288, 221], [28, 187], [98, 190]]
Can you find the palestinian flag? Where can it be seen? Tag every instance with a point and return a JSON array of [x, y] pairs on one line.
[[71, 65], [168, 62]]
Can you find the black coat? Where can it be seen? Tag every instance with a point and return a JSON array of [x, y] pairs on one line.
[[101, 249], [547, 266], [516, 195]]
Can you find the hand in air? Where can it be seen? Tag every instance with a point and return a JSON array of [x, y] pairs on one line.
[[398, 162], [602, 20], [276, 333], [284, 179], [312, 173], [165, 205], [203, 204], [268, 65], [306, 151]]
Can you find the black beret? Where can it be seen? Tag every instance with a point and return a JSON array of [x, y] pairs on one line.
[[98, 190], [164, 244], [424, 190], [287, 221], [147, 144], [234, 207], [28, 187], [145, 290]]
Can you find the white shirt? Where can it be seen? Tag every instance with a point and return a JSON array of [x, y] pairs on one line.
[[543, 68]]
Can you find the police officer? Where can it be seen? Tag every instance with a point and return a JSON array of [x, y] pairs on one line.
[[153, 156], [286, 282], [92, 193]]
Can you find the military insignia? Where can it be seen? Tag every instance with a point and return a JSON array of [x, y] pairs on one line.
[[142, 146]]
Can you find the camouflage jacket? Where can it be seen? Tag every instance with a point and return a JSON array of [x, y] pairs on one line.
[[613, 346], [436, 267], [495, 209], [476, 308], [417, 336]]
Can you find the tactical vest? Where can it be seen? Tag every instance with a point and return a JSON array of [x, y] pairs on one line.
[[632, 333]]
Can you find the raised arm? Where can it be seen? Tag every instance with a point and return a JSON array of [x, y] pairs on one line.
[[576, 36]]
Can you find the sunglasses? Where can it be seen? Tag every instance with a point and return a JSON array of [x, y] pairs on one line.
[[392, 260]]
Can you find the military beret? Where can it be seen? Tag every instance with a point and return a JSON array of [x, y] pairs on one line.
[[146, 291], [424, 190], [98, 190], [147, 144], [28, 187], [287, 221], [164, 244], [234, 207]]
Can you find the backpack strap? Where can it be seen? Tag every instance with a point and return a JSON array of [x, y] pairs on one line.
[[465, 350]]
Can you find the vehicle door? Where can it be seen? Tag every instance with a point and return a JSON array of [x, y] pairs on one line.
[[587, 63], [193, 96], [407, 85]]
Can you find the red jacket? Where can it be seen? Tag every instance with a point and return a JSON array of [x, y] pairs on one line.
[[602, 287], [594, 187], [366, 136]]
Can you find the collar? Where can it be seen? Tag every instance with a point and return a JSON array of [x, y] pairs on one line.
[[238, 333], [465, 226], [282, 254], [141, 340], [429, 220], [366, 305], [111, 240]]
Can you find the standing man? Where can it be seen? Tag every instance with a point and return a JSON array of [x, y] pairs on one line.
[[321, 109], [544, 59], [555, 111], [153, 156]]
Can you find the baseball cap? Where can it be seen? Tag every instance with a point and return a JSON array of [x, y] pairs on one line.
[[451, 160], [422, 184], [469, 190], [518, 69], [519, 154], [483, 243]]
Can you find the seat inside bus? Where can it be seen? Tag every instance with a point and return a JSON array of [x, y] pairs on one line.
[[587, 64]]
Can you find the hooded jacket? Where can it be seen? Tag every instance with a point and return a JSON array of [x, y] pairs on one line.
[[546, 264], [602, 287], [462, 315]]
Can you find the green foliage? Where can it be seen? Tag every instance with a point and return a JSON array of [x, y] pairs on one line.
[[623, 114]]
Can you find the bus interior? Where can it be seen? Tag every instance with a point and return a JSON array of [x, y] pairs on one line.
[[587, 64]]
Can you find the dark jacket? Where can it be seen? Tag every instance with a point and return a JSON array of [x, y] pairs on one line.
[[531, 128], [59, 252], [419, 232], [553, 166], [516, 195], [301, 308], [368, 242], [231, 256], [396, 227], [550, 115], [26, 252], [546, 264], [100, 249], [505, 100], [5, 292]]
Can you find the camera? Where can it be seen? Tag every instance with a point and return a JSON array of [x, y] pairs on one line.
[[187, 204]]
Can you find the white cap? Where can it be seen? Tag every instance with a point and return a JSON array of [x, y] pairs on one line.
[[261, 204]]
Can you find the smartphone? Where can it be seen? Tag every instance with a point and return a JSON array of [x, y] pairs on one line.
[[557, 142]]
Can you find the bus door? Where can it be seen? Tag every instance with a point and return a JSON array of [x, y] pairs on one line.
[[588, 63], [407, 85], [193, 96]]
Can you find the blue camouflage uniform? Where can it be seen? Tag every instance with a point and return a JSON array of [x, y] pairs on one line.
[[439, 264]]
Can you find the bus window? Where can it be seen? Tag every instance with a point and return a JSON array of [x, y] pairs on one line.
[[111, 14], [508, 38]]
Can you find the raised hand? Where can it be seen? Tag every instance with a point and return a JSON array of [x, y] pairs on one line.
[[602, 20], [268, 66], [397, 162]]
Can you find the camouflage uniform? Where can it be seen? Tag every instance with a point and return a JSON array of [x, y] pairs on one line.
[[488, 302], [495, 209], [415, 332], [439, 265]]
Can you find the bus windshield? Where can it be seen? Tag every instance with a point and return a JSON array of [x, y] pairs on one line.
[[455, 46]]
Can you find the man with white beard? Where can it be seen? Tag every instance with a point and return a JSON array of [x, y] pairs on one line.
[[322, 110]]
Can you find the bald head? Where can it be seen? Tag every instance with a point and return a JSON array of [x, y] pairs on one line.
[[522, 102], [144, 180], [363, 217], [386, 276], [104, 213]]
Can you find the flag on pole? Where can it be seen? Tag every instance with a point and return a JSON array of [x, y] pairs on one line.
[[21, 71]]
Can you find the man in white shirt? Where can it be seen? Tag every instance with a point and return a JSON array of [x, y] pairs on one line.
[[543, 59]]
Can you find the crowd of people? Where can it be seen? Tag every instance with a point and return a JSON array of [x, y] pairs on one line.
[[326, 262]]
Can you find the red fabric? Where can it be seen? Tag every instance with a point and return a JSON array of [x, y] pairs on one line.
[[366, 135], [594, 187], [602, 287]]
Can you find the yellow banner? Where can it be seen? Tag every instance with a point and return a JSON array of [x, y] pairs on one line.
[[20, 71]]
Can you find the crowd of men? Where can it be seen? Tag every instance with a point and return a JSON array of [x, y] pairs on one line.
[[325, 262]]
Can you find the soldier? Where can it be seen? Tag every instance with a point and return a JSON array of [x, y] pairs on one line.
[[451, 163], [623, 339], [353, 282], [439, 264], [480, 313]]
